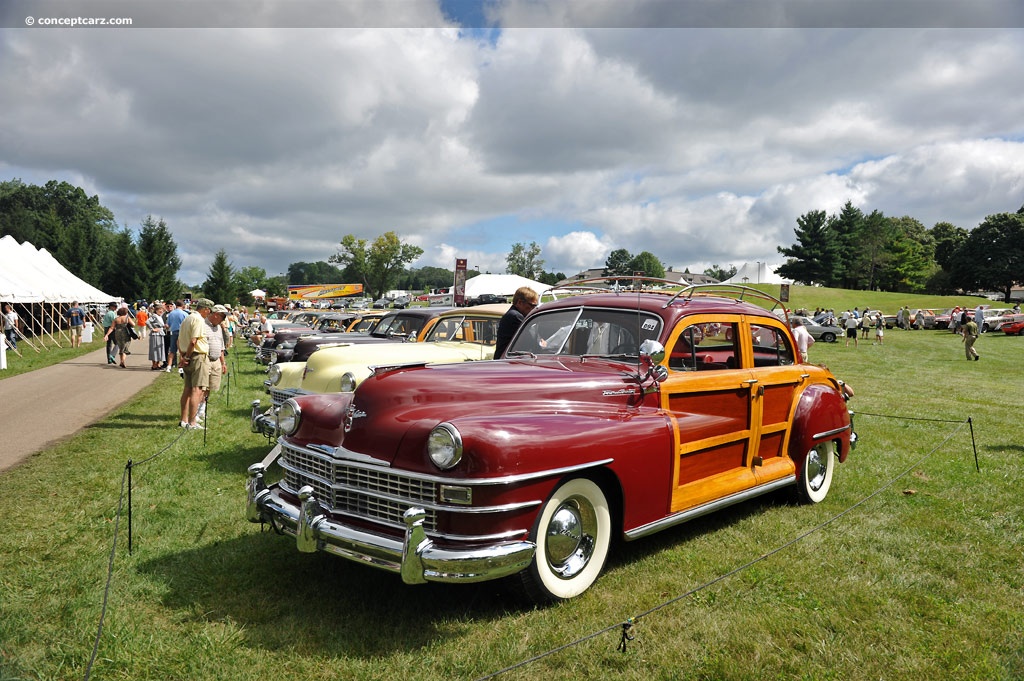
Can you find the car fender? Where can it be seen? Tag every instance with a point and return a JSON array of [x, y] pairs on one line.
[[821, 415]]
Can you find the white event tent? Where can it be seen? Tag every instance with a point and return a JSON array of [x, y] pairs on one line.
[[32, 278], [756, 273], [500, 285]]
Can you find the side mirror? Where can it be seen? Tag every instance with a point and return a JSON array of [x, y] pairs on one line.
[[652, 351]]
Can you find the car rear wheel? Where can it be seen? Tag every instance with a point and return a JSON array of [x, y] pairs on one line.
[[573, 533], [828, 337], [816, 473]]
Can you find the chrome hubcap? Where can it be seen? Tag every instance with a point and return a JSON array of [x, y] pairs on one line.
[[569, 538], [817, 467]]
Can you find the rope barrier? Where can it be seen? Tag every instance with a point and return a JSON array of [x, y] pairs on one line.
[[627, 626], [126, 492], [126, 484]]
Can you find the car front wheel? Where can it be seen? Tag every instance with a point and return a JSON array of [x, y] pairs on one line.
[[816, 473], [828, 338], [573, 533]]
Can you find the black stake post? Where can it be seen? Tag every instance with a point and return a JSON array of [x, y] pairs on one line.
[[206, 401], [129, 467], [974, 444]]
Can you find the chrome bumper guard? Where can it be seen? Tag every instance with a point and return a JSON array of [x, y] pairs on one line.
[[416, 558], [263, 421]]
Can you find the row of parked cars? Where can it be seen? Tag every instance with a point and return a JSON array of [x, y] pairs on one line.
[[995, 319], [610, 416]]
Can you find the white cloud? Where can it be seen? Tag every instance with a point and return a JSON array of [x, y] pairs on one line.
[[701, 146]]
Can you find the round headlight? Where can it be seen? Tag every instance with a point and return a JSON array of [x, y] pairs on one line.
[[444, 446], [348, 382], [274, 374], [288, 417]]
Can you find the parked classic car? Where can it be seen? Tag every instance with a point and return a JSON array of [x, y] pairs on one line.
[[527, 466], [889, 319], [827, 333], [995, 318], [391, 328], [454, 336], [1014, 328], [488, 299]]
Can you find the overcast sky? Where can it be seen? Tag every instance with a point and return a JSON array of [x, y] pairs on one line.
[[583, 126]]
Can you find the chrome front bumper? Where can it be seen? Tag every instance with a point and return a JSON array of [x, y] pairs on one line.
[[415, 557]]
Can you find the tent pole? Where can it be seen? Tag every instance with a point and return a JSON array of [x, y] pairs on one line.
[[50, 331], [23, 337], [56, 320], [42, 326]]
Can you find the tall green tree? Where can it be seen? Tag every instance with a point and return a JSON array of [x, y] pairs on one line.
[[649, 264], [847, 230], [948, 239], [814, 258], [247, 279], [719, 273], [378, 265], [618, 263], [426, 278], [220, 284], [121, 267], [524, 260], [551, 278], [992, 257], [60, 217], [300, 273], [159, 262], [912, 257], [872, 255]]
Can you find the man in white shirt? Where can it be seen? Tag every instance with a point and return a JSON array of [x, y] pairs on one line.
[[804, 339]]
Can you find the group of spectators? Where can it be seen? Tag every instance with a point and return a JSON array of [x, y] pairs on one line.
[[192, 336]]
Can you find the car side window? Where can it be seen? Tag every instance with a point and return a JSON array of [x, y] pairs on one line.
[[771, 347], [446, 330], [485, 331], [708, 346]]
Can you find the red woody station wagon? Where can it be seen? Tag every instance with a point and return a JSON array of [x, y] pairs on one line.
[[614, 413]]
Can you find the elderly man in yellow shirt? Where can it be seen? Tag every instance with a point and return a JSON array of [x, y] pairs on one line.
[[193, 359]]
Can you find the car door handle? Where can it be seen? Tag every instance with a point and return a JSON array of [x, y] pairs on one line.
[[750, 381]]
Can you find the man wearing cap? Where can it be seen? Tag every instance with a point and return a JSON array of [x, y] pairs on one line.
[[214, 331], [193, 352]]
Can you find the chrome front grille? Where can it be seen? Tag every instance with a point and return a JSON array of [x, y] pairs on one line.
[[355, 490], [279, 395]]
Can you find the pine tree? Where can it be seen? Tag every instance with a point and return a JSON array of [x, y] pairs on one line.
[[159, 261], [220, 280], [814, 258]]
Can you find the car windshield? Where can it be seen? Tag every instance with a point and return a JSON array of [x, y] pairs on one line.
[[399, 325], [586, 331], [466, 329]]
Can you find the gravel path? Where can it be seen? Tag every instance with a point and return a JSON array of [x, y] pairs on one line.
[[40, 408]]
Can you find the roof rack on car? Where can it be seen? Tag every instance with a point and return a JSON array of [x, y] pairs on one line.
[[735, 291], [611, 284]]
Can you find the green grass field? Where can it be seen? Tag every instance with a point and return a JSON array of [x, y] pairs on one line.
[[911, 568]]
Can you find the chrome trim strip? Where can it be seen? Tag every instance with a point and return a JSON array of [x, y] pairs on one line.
[[830, 433], [697, 511]]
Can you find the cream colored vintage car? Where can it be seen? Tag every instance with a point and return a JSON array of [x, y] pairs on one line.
[[459, 335]]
